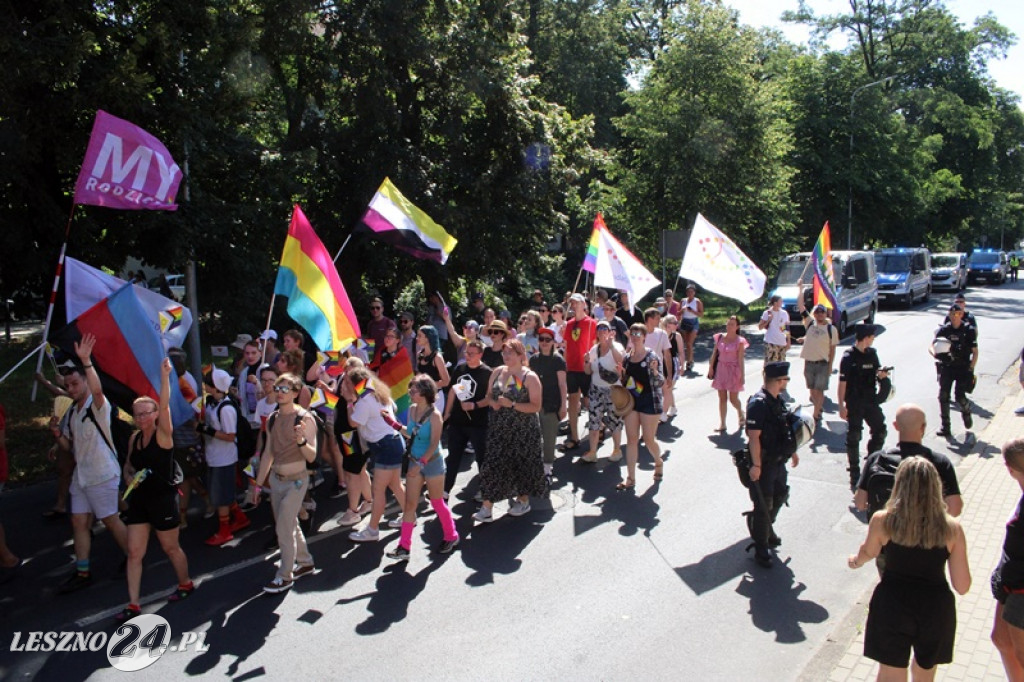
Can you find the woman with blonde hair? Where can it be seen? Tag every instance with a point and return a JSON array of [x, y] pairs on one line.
[[372, 412], [1008, 577], [152, 476], [912, 607]]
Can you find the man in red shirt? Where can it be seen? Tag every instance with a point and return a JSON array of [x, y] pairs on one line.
[[579, 336]]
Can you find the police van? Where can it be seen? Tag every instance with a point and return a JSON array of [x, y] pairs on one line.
[[856, 288], [904, 275], [987, 265]]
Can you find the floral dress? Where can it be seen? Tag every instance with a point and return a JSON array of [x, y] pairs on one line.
[[514, 464]]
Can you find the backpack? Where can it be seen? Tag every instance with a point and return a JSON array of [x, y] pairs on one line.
[[321, 432], [881, 477], [245, 436], [120, 434]]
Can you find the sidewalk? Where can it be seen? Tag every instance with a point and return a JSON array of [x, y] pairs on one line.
[[990, 496]]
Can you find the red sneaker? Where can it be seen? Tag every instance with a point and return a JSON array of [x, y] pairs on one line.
[[239, 522], [218, 539]]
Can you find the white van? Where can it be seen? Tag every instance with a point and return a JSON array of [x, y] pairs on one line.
[[856, 288], [904, 275], [949, 271]]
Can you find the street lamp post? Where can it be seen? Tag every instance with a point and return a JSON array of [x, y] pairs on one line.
[[849, 195]]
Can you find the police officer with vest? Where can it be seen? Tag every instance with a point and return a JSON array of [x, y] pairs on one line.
[[957, 356], [863, 386], [772, 444]]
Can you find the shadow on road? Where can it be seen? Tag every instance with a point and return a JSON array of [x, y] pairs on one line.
[[776, 605]]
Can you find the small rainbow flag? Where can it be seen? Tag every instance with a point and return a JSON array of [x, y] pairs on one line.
[[590, 261], [636, 388], [324, 398], [368, 345], [346, 442], [331, 362], [519, 383], [170, 319], [397, 373], [824, 278]]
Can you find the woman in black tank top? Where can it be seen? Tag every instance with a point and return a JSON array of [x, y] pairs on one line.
[[153, 477]]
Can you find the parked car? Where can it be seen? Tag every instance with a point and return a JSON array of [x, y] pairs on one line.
[[176, 283], [904, 275], [949, 271], [856, 288], [987, 265]]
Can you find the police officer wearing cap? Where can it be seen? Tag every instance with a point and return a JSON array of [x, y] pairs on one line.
[[956, 367], [859, 397], [771, 444]]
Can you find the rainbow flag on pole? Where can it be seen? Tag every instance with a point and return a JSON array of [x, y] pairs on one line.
[[397, 373], [316, 298], [590, 261], [824, 278]]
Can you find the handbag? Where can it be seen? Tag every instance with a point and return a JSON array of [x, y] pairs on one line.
[[714, 359]]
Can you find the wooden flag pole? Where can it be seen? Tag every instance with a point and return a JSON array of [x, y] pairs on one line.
[[270, 313]]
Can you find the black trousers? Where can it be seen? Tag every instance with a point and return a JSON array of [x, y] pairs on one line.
[[768, 494], [859, 412], [458, 437], [954, 378]]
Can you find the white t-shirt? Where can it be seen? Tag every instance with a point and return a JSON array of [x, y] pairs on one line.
[[366, 416], [658, 341], [606, 361], [95, 462], [221, 453], [775, 332], [264, 408]]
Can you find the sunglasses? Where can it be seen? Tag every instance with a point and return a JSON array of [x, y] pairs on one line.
[[140, 415], [376, 307], [636, 334], [545, 339], [543, 310], [404, 321], [283, 389]]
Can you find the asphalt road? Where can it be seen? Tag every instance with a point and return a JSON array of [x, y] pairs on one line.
[[592, 584]]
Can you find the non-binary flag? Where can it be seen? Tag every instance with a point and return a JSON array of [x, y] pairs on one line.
[[824, 277], [590, 260], [316, 298], [619, 269], [396, 220], [128, 351], [127, 168], [717, 264]]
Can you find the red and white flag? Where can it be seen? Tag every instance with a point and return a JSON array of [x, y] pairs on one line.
[[127, 168]]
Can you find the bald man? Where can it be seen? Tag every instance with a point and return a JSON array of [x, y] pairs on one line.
[[910, 424]]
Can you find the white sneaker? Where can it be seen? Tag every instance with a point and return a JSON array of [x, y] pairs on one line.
[[349, 518], [672, 411], [519, 508], [397, 522], [663, 418], [365, 508], [483, 515], [1019, 410], [365, 535]]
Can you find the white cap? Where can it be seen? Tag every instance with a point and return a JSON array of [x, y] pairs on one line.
[[241, 340], [269, 334], [578, 297], [221, 380]]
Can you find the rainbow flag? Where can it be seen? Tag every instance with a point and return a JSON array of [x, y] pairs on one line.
[[323, 398], [170, 319], [397, 373], [316, 298], [824, 278], [590, 261], [331, 361]]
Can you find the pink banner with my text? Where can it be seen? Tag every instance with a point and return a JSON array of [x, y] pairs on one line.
[[127, 168]]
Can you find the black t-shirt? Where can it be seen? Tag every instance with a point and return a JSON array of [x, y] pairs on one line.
[[860, 372], [947, 472], [478, 378], [1011, 564], [631, 316], [963, 340], [547, 368], [492, 358]]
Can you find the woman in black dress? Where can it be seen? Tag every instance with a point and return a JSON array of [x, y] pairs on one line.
[[912, 608], [153, 497]]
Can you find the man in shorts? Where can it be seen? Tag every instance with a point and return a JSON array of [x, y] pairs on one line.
[[819, 351], [94, 484], [579, 336]]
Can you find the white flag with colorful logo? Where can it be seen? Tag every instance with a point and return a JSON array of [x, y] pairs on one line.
[[714, 261], [617, 268]]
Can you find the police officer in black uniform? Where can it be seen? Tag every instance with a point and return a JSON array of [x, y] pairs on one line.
[[956, 367], [772, 444], [859, 397]]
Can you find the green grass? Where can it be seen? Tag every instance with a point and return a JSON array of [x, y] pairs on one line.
[[28, 436], [718, 309]]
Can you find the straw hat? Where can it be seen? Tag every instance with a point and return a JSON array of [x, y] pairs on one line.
[[622, 401]]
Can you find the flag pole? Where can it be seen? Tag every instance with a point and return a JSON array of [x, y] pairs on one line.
[[270, 312], [577, 283], [53, 298], [22, 361], [340, 250]]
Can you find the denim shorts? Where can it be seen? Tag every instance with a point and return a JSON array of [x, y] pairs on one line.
[[387, 453], [220, 482], [434, 467]]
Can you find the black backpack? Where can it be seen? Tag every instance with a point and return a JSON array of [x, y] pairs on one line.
[[245, 436], [881, 477]]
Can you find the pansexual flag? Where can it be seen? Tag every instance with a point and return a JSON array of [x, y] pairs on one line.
[[590, 260], [316, 298], [394, 219], [128, 351], [824, 278], [397, 373]]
